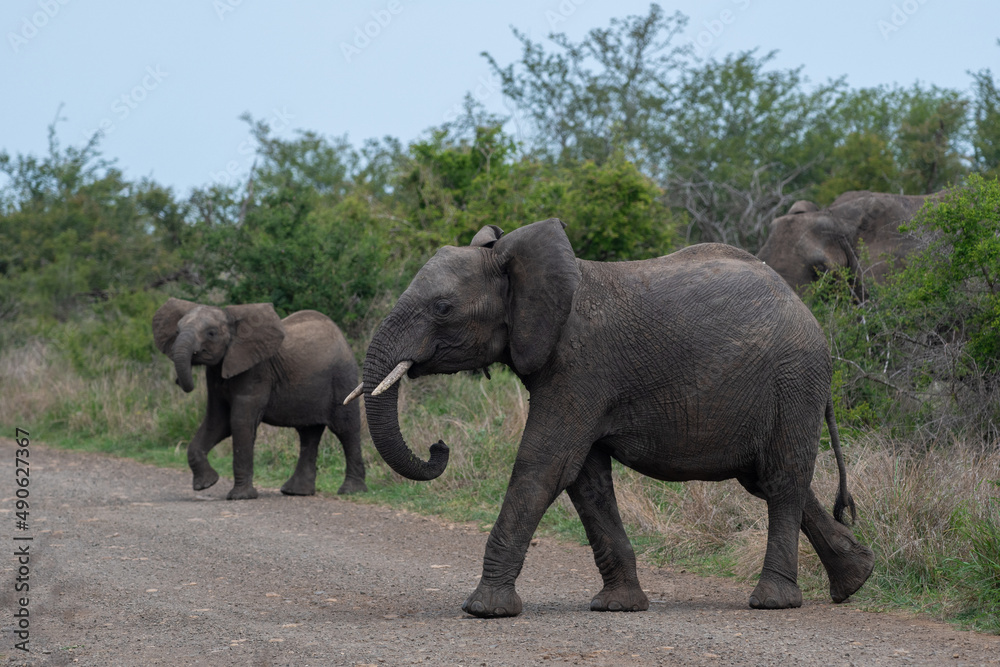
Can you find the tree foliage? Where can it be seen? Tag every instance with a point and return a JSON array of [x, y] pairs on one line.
[[921, 354], [609, 92], [986, 132], [74, 230], [955, 281], [732, 142]]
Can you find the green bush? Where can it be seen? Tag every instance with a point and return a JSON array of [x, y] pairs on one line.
[[73, 230], [920, 356], [112, 334], [955, 282]]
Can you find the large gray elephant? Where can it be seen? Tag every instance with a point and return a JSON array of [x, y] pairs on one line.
[[808, 241], [259, 368], [699, 365]]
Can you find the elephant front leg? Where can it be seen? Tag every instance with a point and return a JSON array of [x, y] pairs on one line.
[[244, 426], [593, 496], [531, 490], [848, 563], [213, 430]]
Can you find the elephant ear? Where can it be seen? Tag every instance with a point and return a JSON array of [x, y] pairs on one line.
[[256, 335], [487, 236], [165, 322], [802, 206], [542, 275]]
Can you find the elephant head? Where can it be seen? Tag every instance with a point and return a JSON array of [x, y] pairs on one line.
[[808, 241], [238, 337], [503, 298]]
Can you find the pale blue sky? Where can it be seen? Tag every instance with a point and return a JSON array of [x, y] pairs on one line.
[[170, 80]]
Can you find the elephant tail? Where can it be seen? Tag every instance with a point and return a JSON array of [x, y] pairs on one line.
[[844, 499]]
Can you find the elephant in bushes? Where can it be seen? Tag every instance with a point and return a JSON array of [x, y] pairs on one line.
[[808, 240], [699, 365], [259, 368]]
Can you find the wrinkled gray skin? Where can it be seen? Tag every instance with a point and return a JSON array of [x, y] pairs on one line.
[[259, 368], [808, 241], [699, 365]]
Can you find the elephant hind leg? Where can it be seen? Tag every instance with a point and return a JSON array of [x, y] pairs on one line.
[[778, 585], [848, 563], [346, 425], [303, 480], [593, 496]]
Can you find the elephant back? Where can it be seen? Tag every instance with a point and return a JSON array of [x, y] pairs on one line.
[[315, 344]]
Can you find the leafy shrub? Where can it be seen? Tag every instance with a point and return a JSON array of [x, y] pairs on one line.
[[921, 354], [955, 282], [115, 333], [74, 230]]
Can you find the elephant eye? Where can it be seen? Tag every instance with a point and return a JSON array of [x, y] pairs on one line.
[[211, 333], [442, 308]]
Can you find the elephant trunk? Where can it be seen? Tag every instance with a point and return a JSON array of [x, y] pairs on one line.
[[383, 422], [181, 354]]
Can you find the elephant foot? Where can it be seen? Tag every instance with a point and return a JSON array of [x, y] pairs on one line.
[[486, 602], [205, 479], [775, 594], [352, 485], [245, 492], [851, 572], [298, 487], [848, 563], [628, 597]]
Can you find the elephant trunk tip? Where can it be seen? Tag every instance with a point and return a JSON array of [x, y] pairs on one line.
[[438, 461], [424, 471]]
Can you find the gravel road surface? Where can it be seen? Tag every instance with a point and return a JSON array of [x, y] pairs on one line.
[[129, 566]]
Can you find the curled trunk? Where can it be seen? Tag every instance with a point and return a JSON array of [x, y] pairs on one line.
[[383, 424], [181, 354]]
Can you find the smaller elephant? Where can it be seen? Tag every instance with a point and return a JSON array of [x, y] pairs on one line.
[[259, 368], [808, 241]]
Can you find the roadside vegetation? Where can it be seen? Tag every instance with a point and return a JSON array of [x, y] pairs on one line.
[[641, 150]]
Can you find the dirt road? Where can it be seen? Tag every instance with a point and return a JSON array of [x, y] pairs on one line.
[[129, 566]]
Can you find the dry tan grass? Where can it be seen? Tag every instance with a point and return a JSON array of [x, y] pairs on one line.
[[912, 508], [29, 385], [38, 383], [917, 504]]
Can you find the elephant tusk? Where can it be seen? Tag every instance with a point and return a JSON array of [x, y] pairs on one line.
[[354, 394], [393, 377]]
